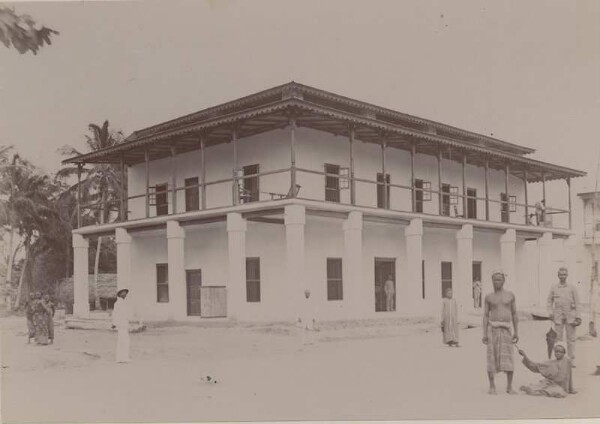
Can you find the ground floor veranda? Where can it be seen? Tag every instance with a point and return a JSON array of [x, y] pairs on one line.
[[254, 262]]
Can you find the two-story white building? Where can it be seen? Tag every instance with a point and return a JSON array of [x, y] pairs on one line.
[[236, 210], [590, 241]]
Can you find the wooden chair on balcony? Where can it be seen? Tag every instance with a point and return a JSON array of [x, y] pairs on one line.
[[293, 192]]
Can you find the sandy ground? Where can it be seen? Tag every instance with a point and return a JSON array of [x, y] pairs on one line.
[[354, 372]]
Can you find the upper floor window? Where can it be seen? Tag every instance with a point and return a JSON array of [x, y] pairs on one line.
[[509, 204], [383, 202], [332, 183], [192, 197], [250, 189]]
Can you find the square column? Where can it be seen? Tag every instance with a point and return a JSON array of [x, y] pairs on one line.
[[236, 243], [81, 287], [508, 257], [464, 256], [295, 219], [352, 265], [570, 246], [176, 272], [409, 298], [547, 269], [123, 241]]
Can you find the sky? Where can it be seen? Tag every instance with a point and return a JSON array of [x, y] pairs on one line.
[[527, 72]]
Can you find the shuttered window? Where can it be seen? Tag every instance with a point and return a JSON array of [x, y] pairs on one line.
[[252, 279], [162, 283], [332, 183], [335, 286]]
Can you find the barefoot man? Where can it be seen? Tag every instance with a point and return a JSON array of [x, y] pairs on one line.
[[499, 315]]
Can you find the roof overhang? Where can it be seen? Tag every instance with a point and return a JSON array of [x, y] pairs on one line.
[[272, 109]]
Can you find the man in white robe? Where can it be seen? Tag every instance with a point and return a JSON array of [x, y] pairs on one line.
[[120, 320]]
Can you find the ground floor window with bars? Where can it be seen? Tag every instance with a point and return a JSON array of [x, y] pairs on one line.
[[335, 285], [252, 279], [162, 283]]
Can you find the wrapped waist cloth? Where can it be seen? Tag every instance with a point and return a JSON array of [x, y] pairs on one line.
[[499, 347]]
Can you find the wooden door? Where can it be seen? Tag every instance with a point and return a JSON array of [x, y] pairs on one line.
[[194, 293], [384, 267], [471, 203], [419, 196]]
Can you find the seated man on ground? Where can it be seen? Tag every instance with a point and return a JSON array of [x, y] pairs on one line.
[[558, 380]]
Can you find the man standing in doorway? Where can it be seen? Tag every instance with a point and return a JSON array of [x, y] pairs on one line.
[[563, 310], [499, 315], [120, 320], [477, 294], [390, 293]]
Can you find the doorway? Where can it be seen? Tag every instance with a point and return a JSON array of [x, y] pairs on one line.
[[477, 284], [385, 268], [193, 279]]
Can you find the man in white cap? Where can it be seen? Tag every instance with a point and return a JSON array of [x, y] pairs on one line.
[[563, 310], [120, 320]]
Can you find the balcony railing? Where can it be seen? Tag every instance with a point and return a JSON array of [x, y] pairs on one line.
[[345, 190]]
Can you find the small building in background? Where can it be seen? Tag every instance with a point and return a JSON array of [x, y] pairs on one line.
[[107, 292]]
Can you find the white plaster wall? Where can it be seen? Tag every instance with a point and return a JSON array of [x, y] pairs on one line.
[[271, 151], [206, 249]]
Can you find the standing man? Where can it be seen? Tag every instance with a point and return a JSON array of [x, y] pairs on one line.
[[499, 315], [477, 294], [450, 319], [120, 320], [390, 293], [563, 310], [307, 319], [540, 212]]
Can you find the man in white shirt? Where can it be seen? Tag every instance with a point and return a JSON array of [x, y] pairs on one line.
[[120, 320], [390, 292]]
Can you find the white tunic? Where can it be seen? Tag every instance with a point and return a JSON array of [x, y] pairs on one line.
[[120, 319]]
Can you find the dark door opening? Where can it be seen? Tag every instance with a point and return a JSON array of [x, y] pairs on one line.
[[194, 285], [471, 203], [385, 298], [446, 277], [504, 207], [446, 199], [383, 187], [477, 284], [419, 196], [250, 185]]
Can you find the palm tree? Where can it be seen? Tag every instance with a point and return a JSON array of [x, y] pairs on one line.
[[22, 32], [100, 184], [31, 212], [12, 172]]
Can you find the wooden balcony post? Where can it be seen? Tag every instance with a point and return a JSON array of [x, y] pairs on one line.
[[147, 159], [544, 189], [292, 124], [123, 192], [352, 182], [79, 168], [439, 164], [174, 179], [385, 186], [203, 171], [236, 186], [526, 198], [570, 210], [464, 185], [413, 193], [487, 191], [506, 173]]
